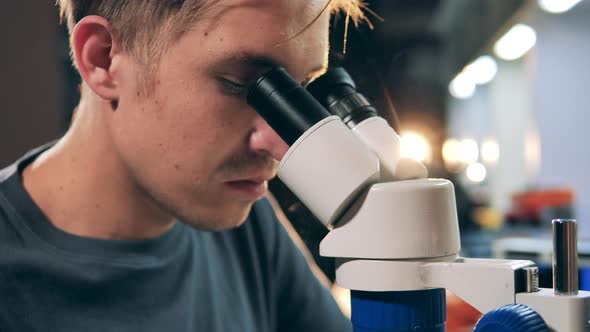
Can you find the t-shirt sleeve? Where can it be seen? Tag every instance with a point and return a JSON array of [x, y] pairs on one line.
[[302, 302]]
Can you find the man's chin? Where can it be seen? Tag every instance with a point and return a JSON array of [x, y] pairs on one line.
[[222, 221]]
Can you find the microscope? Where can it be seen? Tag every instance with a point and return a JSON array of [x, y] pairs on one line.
[[393, 231]]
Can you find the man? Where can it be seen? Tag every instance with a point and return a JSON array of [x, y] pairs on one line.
[[89, 236]]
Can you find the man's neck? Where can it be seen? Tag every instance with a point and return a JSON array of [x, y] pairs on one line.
[[84, 188]]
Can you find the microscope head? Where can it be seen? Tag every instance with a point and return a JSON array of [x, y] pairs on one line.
[[337, 173]]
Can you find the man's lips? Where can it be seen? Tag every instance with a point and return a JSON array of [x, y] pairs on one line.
[[252, 188], [256, 178]]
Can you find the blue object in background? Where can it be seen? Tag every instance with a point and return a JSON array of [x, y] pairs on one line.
[[584, 280], [546, 277], [415, 311]]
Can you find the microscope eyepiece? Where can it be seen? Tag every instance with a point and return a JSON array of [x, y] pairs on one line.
[[336, 91], [285, 105]]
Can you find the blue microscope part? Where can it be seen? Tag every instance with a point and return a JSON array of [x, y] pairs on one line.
[[415, 311], [511, 318]]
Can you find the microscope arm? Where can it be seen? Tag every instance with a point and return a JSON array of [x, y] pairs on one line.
[[483, 283]]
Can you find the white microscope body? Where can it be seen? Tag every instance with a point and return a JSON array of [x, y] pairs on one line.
[[396, 230], [404, 235]]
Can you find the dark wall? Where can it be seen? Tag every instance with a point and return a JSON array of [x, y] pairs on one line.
[[30, 92]]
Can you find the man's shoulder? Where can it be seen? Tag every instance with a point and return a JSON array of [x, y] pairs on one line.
[[12, 170], [7, 172], [13, 197], [7, 176], [7, 214]]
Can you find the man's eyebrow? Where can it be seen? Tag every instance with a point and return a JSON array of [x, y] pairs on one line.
[[252, 60], [260, 62]]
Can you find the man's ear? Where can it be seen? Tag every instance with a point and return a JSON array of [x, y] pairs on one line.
[[94, 45]]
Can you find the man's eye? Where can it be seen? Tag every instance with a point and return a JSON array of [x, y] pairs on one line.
[[232, 88]]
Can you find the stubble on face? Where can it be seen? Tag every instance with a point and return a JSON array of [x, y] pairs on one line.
[[204, 132], [242, 164]]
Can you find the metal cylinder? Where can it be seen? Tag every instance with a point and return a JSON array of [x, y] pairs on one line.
[[565, 257]]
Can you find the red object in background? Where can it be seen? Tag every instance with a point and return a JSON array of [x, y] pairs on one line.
[[460, 315], [528, 206]]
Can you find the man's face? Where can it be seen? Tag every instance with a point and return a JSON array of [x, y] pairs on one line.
[[194, 146]]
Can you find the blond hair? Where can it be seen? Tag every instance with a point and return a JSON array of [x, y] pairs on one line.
[[145, 28]]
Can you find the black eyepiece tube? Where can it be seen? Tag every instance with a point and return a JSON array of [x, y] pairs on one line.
[[336, 91], [285, 105]]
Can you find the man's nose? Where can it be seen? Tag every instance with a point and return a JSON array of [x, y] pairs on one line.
[[265, 140]]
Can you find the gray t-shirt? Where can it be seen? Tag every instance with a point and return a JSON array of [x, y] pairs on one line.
[[251, 278]]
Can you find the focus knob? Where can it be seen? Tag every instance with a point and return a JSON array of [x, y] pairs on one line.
[[511, 318]]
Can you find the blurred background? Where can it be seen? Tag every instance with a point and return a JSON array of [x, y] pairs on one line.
[[487, 93]]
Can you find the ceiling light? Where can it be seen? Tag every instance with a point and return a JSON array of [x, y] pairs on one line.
[[516, 42], [557, 6]]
